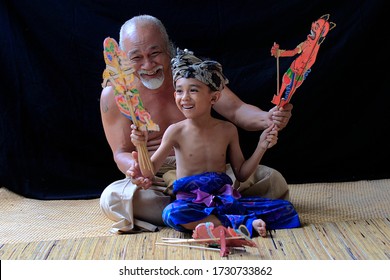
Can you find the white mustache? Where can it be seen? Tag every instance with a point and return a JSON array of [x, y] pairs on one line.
[[154, 71]]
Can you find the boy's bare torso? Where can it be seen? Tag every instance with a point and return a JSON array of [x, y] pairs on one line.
[[201, 149]]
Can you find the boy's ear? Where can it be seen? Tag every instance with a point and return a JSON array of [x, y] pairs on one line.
[[215, 97]]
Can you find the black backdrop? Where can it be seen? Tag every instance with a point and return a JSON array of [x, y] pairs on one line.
[[52, 144]]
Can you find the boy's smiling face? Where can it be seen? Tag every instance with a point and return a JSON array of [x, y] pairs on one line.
[[194, 98]]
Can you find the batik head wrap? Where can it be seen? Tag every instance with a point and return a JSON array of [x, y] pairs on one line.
[[209, 72]]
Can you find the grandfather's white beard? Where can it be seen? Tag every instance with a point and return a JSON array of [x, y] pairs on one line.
[[153, 83]]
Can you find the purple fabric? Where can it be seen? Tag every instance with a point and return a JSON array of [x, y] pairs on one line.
[[200, 196]]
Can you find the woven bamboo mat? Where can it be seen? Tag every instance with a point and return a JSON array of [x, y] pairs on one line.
[[26, 220], [345, 201], [349, 240], [30, 220]]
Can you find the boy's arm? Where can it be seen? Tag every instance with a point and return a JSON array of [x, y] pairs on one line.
[[244, 168], [167, 144]]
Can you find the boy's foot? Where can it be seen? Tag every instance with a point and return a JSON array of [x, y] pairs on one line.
[[259, 226]]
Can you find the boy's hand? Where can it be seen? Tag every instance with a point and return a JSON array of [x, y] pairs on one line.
[[269, 137], [138, 137]]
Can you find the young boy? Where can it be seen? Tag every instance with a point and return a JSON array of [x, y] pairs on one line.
[[202, 143]]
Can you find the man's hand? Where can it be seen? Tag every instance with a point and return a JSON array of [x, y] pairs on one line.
[[281, 116], [134, 172]]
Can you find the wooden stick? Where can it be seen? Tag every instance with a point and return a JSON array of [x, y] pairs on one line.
[[277, 71], [182, 240], [188, 246], [198, 247], [143, 159]]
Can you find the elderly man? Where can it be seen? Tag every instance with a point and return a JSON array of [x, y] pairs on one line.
[[147, 44]]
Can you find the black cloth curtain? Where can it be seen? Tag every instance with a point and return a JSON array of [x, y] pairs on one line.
[[51, 136]]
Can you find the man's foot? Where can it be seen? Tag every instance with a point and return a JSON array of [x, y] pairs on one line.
[[259, 226]]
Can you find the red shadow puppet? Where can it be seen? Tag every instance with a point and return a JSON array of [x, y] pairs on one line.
[[301, 66]]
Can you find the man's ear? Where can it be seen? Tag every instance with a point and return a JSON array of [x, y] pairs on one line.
[[215, 97]]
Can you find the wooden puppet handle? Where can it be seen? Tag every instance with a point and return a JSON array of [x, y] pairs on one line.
[[144, 161]]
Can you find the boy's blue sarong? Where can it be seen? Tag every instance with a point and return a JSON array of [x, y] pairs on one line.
[[211, 193]]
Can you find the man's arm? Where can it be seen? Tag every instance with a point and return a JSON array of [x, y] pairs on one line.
[[117, 130], [250, 117]]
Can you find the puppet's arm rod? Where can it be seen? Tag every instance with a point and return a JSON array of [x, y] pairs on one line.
[[277, 52]]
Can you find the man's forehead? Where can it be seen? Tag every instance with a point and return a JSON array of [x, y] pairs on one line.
[[141, 48], [143, 39]]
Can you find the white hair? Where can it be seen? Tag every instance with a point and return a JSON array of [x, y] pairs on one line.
[[145, 20]]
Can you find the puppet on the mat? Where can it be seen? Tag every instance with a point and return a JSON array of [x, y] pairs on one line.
[[215, 238], [301, 66]]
